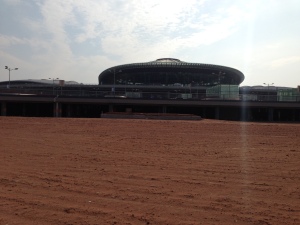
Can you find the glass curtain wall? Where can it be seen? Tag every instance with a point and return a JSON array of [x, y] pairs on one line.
[[167, 77]]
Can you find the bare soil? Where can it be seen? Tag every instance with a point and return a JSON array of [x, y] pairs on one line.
[[114, 171]]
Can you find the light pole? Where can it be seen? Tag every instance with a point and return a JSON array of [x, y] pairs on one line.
[[9, 69], [268, 89], [53, 82], [114, 87]]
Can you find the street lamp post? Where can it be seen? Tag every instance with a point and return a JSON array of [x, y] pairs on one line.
[[268, 89], [53, 82], [9, 69]]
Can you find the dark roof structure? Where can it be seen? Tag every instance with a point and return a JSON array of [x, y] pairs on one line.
[[170, 71]]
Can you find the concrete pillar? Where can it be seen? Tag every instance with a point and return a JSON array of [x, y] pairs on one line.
[[78, 112], [57, 109], [37, 109], [270, 114], [69, 112], [294, 115], [249, 115], [3, 108], [23, 109], [164, 109], [245, 114], [217, 113], [204, 112], [110, 108]]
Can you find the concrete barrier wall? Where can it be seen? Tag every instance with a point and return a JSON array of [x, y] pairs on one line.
[[150, 116]]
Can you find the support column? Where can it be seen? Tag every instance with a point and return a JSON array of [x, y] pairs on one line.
[[204, 112], [245, 114], [270, 114], [37, 110], [57, 109], [69, 113], [249, 115], [24, 109], [294, 115], [217, 113], [78, 112], [164, 109], [3, 108], [110, 108]]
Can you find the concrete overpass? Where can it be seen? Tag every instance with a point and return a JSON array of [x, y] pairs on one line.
[[67, 106]]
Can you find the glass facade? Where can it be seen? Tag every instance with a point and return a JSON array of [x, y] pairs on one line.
[[166, 78], [170, 72]]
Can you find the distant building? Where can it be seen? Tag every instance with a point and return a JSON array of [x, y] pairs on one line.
[[39, 82]]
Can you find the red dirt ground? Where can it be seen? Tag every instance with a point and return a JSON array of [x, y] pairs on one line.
[[113, 171]]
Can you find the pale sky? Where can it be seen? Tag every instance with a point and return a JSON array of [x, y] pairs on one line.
[[76, 40]]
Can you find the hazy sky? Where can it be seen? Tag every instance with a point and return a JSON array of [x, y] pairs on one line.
[[78, 39]]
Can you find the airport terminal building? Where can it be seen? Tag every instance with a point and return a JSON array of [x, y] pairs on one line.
[[170, 78], [166, 85], [170, 72]]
